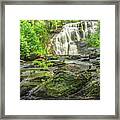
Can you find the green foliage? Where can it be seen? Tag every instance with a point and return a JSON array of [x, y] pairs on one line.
[[94, 40], [33, 38]]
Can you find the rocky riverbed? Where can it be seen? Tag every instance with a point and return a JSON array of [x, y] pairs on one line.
[[65, 77]]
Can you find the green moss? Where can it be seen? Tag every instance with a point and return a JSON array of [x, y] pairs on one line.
[[43, 63], [92, 89]]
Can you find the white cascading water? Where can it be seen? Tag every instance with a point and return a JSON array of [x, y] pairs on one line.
[[65, 42]]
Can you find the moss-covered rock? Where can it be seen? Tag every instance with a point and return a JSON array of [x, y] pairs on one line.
[[68, 79]]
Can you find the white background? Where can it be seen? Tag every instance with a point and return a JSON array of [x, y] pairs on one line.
[[15, 106]]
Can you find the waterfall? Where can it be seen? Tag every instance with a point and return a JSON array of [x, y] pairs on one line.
[[66, 42]]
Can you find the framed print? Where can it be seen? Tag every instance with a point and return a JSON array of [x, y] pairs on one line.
[[59, 59]]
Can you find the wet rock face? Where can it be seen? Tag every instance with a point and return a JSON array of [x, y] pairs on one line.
[[68, 77]]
